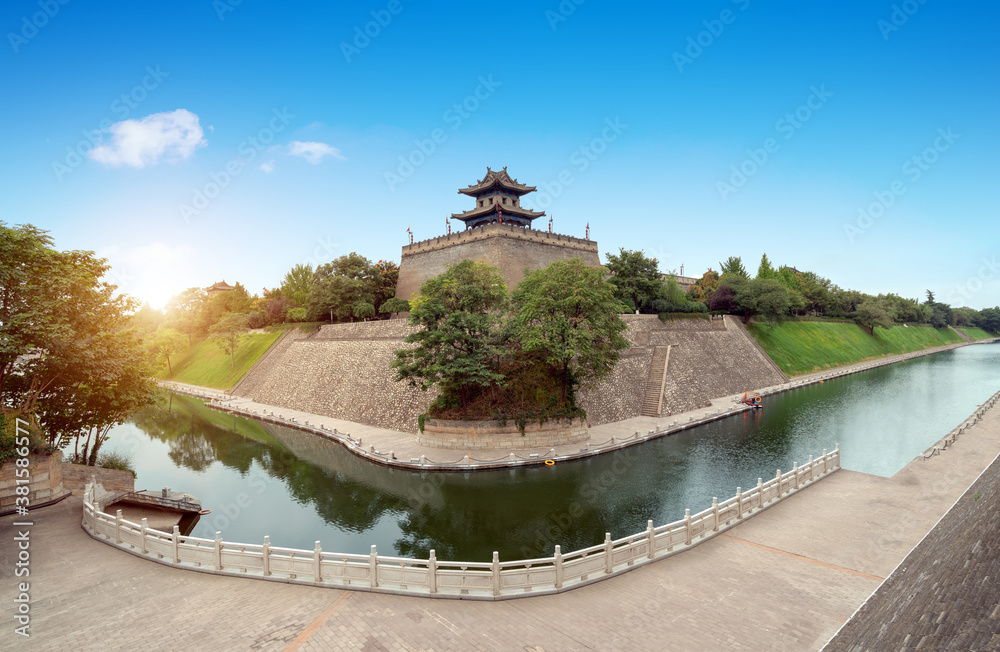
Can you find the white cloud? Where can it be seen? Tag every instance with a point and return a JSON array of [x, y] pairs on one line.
[[268, 167], [313, 152], [172, 135]]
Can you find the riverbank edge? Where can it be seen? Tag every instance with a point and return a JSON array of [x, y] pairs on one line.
[[222, 401]]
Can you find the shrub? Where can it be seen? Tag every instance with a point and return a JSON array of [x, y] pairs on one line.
[[116, 460]]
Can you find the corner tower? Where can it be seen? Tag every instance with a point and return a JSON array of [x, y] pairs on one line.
[[498, 231]]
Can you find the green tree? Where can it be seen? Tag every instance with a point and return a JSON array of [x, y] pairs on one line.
[[68, 357], [363, 310], [764, 297], [569, 312], [871, 314], [340, 284], [394, 305], [228, 333], [184, 309], [733, 266], [766, 270], [165, 343], [635, 278], [458, 346], [297, 283]]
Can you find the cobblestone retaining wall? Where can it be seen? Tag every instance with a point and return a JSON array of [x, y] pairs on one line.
[[343, 371]]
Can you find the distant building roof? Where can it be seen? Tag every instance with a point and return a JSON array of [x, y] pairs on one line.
[[220, 287]]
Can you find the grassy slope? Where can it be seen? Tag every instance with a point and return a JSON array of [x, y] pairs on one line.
[[976, 333], [205, 364], [804, 347]]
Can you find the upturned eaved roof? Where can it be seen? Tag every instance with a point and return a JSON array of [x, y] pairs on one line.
[[480, 211], [219, 287], [493, 179]]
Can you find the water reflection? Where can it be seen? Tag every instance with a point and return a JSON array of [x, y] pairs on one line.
[[262, 479]]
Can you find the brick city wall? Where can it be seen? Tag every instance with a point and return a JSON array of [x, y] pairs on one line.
[[511, 248], [45, 481], [344, 371], [76, 477], [490, 435]]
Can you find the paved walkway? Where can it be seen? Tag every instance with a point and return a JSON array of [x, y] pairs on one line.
[[786, 579]]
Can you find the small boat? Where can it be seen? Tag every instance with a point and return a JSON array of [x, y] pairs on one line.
[[752, 399]]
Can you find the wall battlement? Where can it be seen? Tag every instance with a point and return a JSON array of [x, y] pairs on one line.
[[499, 230]]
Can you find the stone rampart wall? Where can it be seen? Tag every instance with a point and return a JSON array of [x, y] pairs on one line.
[[344, 371], [512, 249]]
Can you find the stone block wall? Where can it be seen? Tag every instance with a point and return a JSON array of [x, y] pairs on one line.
[[511, 248], [490, 435], [76, 476], [45, 481]]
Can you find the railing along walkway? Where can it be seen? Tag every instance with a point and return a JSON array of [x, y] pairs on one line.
[[435, 578]]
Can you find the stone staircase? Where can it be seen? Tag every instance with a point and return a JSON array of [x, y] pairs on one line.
[[652, 401]]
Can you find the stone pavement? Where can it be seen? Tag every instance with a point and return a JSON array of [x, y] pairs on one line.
[[786, 579]]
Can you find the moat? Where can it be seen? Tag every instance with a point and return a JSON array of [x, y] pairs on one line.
[[261, 479]]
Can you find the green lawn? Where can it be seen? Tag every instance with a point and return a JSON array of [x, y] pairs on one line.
[[804, 347], [976, 333], [205, 364]]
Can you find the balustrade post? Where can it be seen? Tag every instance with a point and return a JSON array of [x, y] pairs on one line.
[[824, 461], [559, 567], [432, 568], [609, 561], [778, 478], [118, 526], [373, 567], [218, 551], [810, 468], [760, 492], [265, 559], [837, 449], [687, 527], [495, 568], [739, 502], [715, 512], [795, 475], [142, 532], [651, 537], [317, 563], [174, 539]]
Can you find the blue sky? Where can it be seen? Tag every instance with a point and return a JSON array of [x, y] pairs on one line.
[[853, 139]]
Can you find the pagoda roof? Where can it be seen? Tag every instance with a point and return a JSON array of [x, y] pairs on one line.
[[494, 179], [481, 211], [220, 286]]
